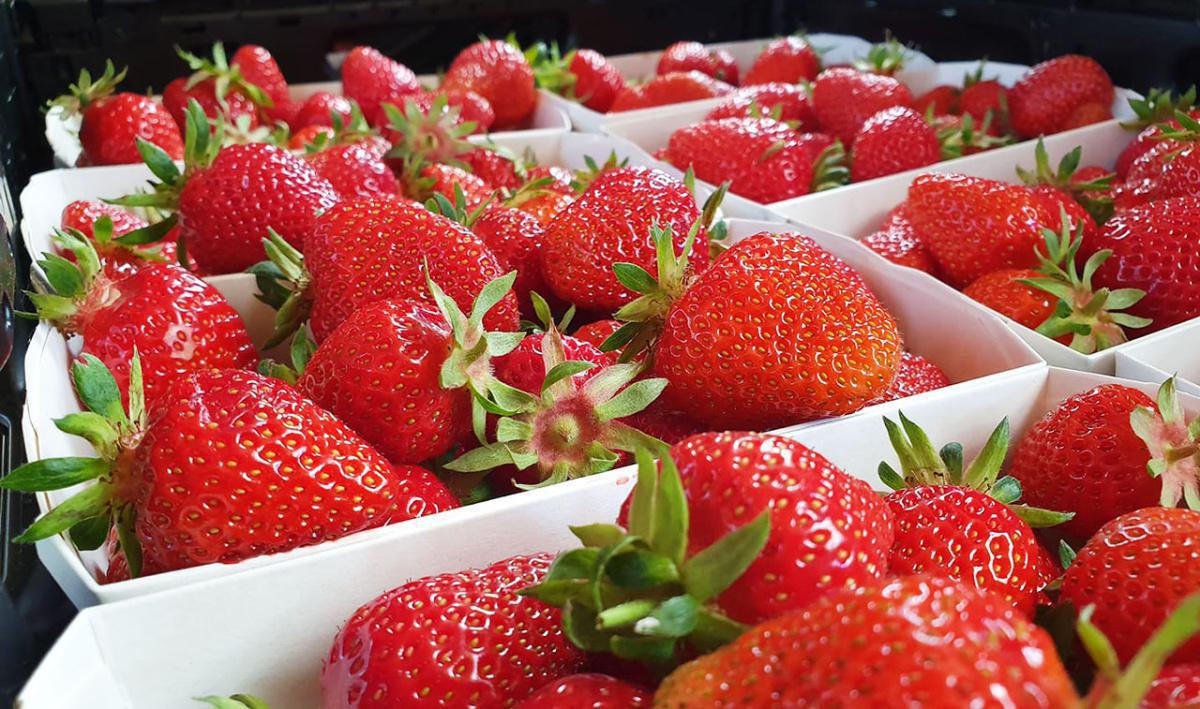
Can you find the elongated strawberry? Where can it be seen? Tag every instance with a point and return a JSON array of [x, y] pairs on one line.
[[582, 75], [693, 56], [259, 68], [783, 102], [266, 471], [1048, 96], [676, 87], [594, 691], [463, 638], [497, 71], [894, 140], [371, 79], [844, 99], [915, 375], [787, 60]]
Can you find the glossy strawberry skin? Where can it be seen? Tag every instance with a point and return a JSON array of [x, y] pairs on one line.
[[693, 56], [741, 150], [943, 100], [731, 477], [1044, 100], [1156, 248], [445, 178], [897, 242], [354, 171], [226, 208], [525, 369], [981, 97], [470, 105], [665, 89], [597, 81], [493, 168], [1136, 569], [776, 332], [176, 322], [1085, 450], [456, 639], [82, 215], [894, 140], [1167, 169], [914, 641], [588, 691], [844, 99], [597, 332], [111, 126], [787, 60], [318, 110], [498, 72], [974, 226], [915, 375], [364, 251], [1001, 291], [790, 100], [370, 78], [259, 68], [265, 471], [1145, 140], [379, 372], [611, 222], [176, 98], [516, 239], [1176, 687]]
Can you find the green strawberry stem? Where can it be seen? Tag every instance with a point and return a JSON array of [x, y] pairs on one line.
[[1095, 196], [283, 283], [344, 132], [236, 701], [636, 593], [585, 176], [955, 141], [1127, 688], [921, 464], [112, 431], [86, 91], [1187, 132], [830, 169], [1159, 105], [551, 70], [225, 77], [1172, 442], [887, 57], [1089, 315]]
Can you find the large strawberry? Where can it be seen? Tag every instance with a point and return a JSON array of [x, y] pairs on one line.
[[894, 140], [844, 99], [1054, 95], [783, 102], [456, 639], [693, 56], [177, 322], [913, 641], [787, 60], [227, 466], [111, 124], [610, 223], [676, 87], [594, 691], [583, 75], [372, 79], [497, 71]]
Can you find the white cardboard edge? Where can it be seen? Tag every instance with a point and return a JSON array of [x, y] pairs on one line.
[[1171, 352]]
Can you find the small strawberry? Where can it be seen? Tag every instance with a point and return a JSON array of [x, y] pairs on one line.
[[597, 332], [311, 135], [787, 60], [516, 239], [1156, 108], [1082, 192], [497, 71], [354, 171], [371, 79], [894, 140], [915, 375], [676, 87], [111, 124], [221, 89], [1050, 97], [497, 168], [1008, 292], [693, 56], [82, 215], [783, 102], [259, 68], [583, 75], [896, 240], [525, 367], [593, 691], [318, 110], [843, 99], [1168, 168], [939, 101], [117, 257], [984, 99]]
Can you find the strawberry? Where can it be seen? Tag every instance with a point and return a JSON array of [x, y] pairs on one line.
[[787, 60], [116, 257], [1135, 570], [883, 58], [221, 89], [915, 375], [524, 367], [1176, 687], [676, 87], [1084, 193], [82, 215], [894, 140], [693, 56], [958, 522], [177, 322], [1167, 169], [454, 639], [1156, 108], [468, 107], [266, 471], [318, 109], [354, 171], [939, 101], [594, 691], [371, 79], [843, 99], [583, 75], [258, 67], [516, 239], [897, 242], [611, 222], [985, 98], [1055, 94], [311, 135], [1007, 292], [783, 102], [495, 168], [1154, 248], [497, 71], [974, 226], [111, 124], [597, 332], [912, 641]]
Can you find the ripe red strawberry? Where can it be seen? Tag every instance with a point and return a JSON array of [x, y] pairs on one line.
[[111, 124], [220, 88], [844, 99], [311, 135], [939, 101], [468, 106], [1158, 107], [319, 108], [442, 179], [693, 56], [177, 322], [81, 215], [1049, 97], [844, 650], [915, 375], [1083, 193], [516, 239], [497, 71], [1176, 687], [894, 140], [783, 102], [1004, 292], [354, 171], [117, 259], [1167, 169], [897, 242], [1136, 569], [807, 337], [370, 78], [588, 691], [676, 87], [259, 68], [494, 168], [524, 367], [465, 638], [982, 98], [611, 222], [787, 60], [597, 332], [974, 226], [583, 75]]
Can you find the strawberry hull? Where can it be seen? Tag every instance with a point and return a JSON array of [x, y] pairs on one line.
[[855, 211], [161, 650]]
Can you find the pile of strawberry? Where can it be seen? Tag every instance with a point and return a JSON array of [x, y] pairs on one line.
[[817, 130], [747, 570], [1081, 254]]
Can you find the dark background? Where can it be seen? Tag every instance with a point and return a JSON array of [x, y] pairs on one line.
[[43, 45]]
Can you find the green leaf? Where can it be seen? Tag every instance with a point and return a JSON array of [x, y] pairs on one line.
[[645, 496], [574, 564], [302, 349], [625, 614], [981, 474], [579, 625], [889, 477], [1168, 403], [713, 630], [128, 539], [640, 569], [510, 430], [511, 399], [491, 294], [673, 618], [632, 399], [952, 456], [90, 502], [64, 277], [598, 535], [92, 427], [97, 388], [634, 277], [483, 458], [54, 474], [561, 592], [1039, 518], [137, 392], [501, 343], [1007, 489], [607, 382], [669, 530], [715, 568], [621, 337], [149, 234], [650, 650], [564, 370], [1066, 555], [159, 162], [237, 701], [90, 534]]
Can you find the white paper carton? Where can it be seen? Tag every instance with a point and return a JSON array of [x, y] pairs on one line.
[[651, 133], [857, 210], [267, 631], [1172, 352], [63, 133]]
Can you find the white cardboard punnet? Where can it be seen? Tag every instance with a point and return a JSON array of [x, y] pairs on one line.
[[267, 631], [1172, 352]]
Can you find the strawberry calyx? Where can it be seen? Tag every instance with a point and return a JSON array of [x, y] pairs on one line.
[[552, 70], [87, 90], [529, 191], [225, 77], [636, 593], [584, 177], [436, 136], [113, 432], [955, 140], [1159, 105], [886, 57], [1095, 196], [283, 282], [1172, 442], [568, 430], [971, 78], [1091, 316], [830, 169], [345, 132], [234, 701], [456, 211], [922, 465]]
